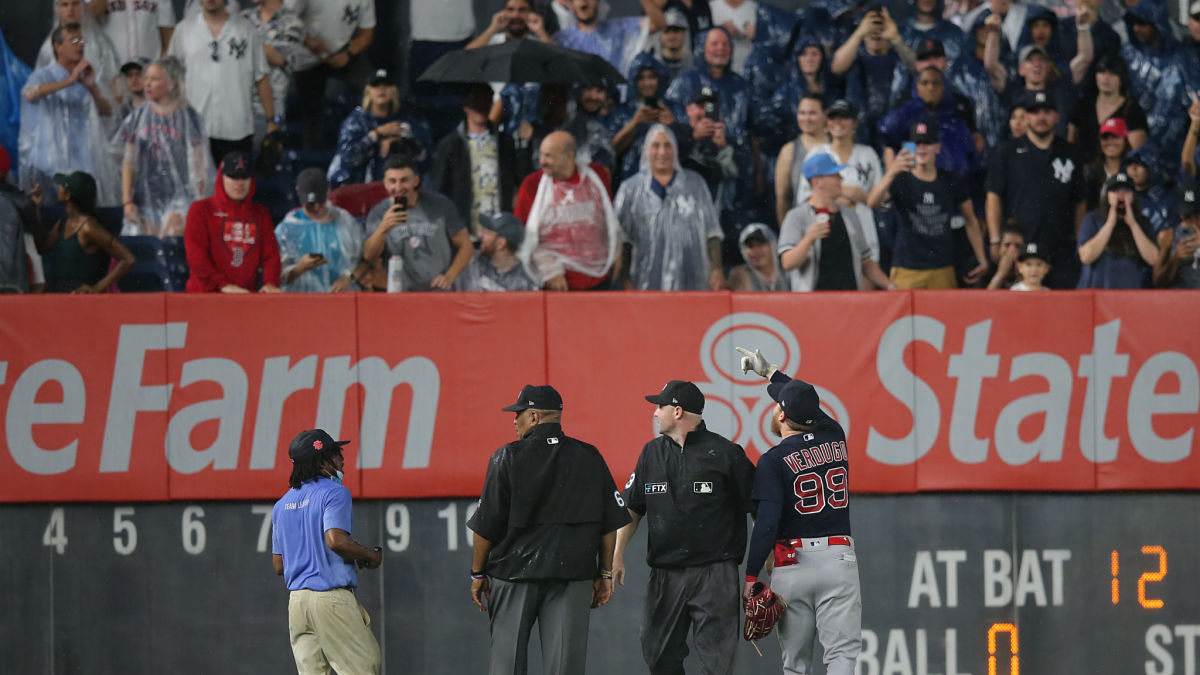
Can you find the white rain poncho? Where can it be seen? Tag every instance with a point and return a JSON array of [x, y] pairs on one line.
[[571, 226], [669, 234], [165, 146], [61, 133]]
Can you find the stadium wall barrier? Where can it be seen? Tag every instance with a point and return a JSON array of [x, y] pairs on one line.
[[156, 397]]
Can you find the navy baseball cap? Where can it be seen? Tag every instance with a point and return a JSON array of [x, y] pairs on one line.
[[1036, 100], [822, 164], [683, 394], [1189, 196], [1119, 181], [311, 443], [1138, 155], [1032, 250], [312, 186], [236, 164], [930, 48], [798, 399], [844, 109], [925, 131], [504, 224], [543, 397], [81, 186], [705, 94]]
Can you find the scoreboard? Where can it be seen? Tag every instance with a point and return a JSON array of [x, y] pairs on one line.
[[953, 584]]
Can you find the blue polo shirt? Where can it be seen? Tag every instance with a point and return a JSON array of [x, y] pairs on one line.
[[298, 524]]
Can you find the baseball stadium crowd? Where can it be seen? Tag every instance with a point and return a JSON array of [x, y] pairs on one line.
[[846, 145]]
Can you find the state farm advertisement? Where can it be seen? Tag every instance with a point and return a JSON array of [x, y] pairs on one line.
[[173, 396]]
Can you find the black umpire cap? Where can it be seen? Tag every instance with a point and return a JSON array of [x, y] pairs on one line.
[[683, 394], [534, 397], [798, 399], [311, 443]]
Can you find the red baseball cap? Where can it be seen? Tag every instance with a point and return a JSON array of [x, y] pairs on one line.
[[1115, 126]]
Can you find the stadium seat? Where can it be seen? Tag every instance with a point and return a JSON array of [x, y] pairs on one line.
[[358, 198]]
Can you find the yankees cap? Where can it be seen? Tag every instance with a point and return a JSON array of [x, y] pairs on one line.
[[1189, 196], [1118, 181], [537, 397], [312, 186], [798, 399], [844, 109], [311, 443], [1032, 250], [1032, 100], [683, 394]]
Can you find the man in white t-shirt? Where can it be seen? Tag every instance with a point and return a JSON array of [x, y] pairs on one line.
[[339, 33], [225, 66], [138, 29], [739, 17]]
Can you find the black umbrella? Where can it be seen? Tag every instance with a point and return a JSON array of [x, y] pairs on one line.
[[526, 60]]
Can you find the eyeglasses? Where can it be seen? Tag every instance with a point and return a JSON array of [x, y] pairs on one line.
[[216, 51]]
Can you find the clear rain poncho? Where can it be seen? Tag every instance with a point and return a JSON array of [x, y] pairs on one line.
[[166, 149], [339, 240], [571, 227], [98, 50], [669, 234], [61, 133]]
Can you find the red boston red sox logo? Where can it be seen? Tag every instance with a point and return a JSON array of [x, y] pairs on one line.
[[239, 238]]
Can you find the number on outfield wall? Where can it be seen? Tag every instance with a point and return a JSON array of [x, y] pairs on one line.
[[124, 531], [396, 519], [194, 535], [264, 528], [471, 509], [55, 535], [450, 515]]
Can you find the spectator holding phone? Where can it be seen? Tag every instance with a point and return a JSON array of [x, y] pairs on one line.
[[320, 245], [376, 130], [632, 119], [422, 228], [1178, 263]]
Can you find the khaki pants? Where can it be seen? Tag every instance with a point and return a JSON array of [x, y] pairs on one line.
[[331, 631], [939, 278]]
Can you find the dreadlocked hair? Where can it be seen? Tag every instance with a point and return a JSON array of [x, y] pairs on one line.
[[307, 469]]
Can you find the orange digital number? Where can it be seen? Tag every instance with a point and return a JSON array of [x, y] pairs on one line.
[[1115, 566], [1151, 577], [1014, 661]]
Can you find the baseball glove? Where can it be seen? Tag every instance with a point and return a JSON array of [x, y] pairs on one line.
[[763, 610]]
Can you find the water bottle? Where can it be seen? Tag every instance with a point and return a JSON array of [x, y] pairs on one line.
[[395, 274]]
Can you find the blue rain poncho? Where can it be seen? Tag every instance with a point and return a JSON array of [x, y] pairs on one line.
[[669, 232], [968, 77], [340, 240], [13, 74], [358, 159], [1161, 77]]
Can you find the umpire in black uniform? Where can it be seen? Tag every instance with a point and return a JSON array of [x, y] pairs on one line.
[[694, 487], [545, 532]]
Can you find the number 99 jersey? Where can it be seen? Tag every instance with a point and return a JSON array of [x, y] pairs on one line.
[[809, 474]]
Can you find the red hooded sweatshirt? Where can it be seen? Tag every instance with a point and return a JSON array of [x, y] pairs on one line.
[[227, 242]]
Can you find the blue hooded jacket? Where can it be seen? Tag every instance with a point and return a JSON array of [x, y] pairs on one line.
[[1160, 78], [943, 31], [958, 147], [968, 77]]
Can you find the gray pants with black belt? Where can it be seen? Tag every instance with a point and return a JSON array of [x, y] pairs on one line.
[[561, 610], [704, 600], [824, 601]]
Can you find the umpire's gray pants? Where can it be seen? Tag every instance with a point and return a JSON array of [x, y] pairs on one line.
[[705, 599], [824, 600], [561, 610]]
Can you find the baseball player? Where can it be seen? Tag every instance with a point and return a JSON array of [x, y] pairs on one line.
[[802, 489], [693, 486]]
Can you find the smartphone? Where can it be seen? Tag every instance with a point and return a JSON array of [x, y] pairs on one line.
[[651, 101], [712, 110], [876, 7], [910, 146], [402, 202], [317, 255]]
